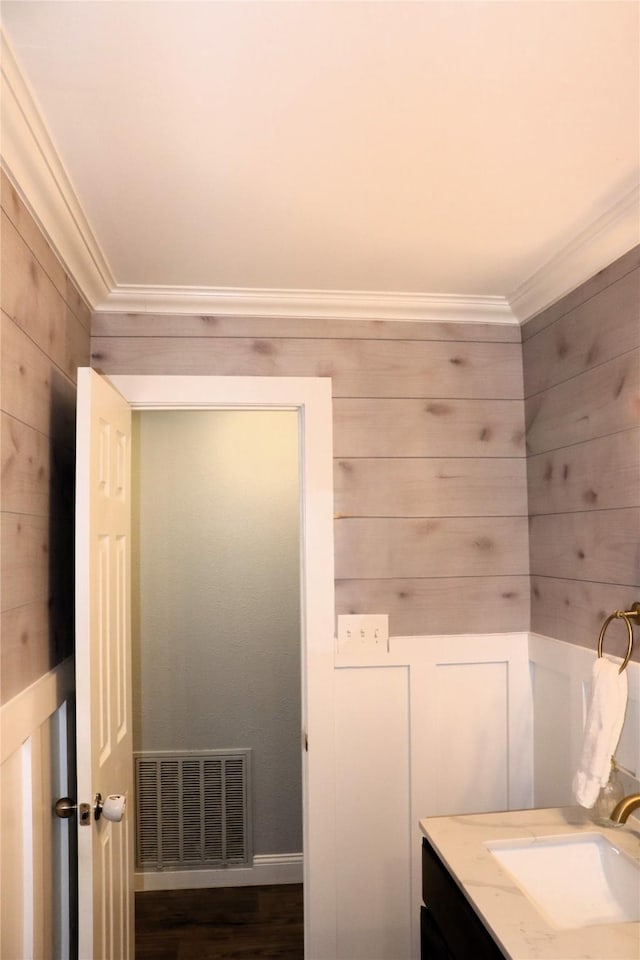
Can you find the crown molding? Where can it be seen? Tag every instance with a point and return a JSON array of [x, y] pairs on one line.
[[318, 304], [32, 162], [612, 234]]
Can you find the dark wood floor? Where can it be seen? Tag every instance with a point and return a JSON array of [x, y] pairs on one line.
[[227, 923]]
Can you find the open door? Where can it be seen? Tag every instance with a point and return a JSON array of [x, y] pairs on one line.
[[103, 674]]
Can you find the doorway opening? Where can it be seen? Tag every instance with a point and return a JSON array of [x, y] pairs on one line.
[[216, 644], [310, 398]]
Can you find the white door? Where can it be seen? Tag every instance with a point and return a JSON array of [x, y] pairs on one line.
[[103, 675]]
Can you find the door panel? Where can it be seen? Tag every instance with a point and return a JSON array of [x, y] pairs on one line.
[[103, 673]]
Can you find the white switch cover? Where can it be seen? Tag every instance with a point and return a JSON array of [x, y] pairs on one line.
[[363, 633]]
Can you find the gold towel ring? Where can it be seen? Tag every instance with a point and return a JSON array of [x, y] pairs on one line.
[[621, 615]]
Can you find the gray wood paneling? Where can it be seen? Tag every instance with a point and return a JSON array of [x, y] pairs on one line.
[[597, 475], [24, 559], [601, 401], [26, 647], [440, 605], [405, 394], [76, 344], [379, 548], [32, 385], [28, 295], [77, 304], [584, 472], [428, 428], [26, 373], [173, 325], [417, 487], [31, 234], [358, 368], [26, 468], [575, 611], [45, 335], [601, 546], [583, 338]]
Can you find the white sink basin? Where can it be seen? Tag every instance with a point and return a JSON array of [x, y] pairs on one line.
[[576, 880]]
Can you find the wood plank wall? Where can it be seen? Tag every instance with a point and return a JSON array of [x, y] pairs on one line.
[[44, 338], [582, 388], [430, 477]]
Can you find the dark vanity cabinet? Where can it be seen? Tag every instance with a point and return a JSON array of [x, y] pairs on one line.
[[449, 927]]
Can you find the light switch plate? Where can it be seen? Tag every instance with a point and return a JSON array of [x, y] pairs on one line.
[[363, 633]]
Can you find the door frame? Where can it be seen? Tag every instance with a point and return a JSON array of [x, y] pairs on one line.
[[311, 397]]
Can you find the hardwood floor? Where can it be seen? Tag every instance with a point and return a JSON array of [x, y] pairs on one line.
[[225, 923]]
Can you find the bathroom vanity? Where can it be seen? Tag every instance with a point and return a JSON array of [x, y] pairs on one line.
[[450, 929], [475, 907]]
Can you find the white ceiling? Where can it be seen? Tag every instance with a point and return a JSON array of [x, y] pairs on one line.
[[447, 150]]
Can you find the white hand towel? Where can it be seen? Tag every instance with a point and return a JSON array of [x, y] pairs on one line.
[[605, 716]]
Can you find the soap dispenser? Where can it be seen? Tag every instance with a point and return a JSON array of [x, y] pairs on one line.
[[610, 795]]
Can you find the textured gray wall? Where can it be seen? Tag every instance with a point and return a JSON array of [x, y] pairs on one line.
[[217, 608]]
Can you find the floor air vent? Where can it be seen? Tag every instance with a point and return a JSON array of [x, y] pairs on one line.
[[193, 809]]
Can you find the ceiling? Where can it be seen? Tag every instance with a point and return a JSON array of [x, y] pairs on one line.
[[467, 158]]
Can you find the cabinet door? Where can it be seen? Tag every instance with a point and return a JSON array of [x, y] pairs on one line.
[[453, 917], [432, 944]]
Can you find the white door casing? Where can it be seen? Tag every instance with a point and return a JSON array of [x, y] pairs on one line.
[[311, 397], [103, 671]]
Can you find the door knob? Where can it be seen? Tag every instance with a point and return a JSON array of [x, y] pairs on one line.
[[65, 808], [113, 808]]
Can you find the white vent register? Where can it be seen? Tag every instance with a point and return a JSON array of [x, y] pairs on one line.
[[193, 809]]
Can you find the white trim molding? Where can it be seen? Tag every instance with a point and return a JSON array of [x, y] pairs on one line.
[[30, 708], [266, 869], [610, 236], [311, 396], [35, 168], [318, 304]]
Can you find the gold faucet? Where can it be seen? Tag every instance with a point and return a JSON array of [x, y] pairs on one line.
[[625, 807]]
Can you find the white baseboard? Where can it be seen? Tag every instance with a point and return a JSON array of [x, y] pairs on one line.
[[266, 869]]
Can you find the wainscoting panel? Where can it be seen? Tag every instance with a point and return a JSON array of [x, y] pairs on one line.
[[438, 725], [35, 882], [471, 742], [561, 675], [373, 830], [552, 690]]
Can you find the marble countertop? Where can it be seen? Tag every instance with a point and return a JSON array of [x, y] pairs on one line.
[[521, 931]]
